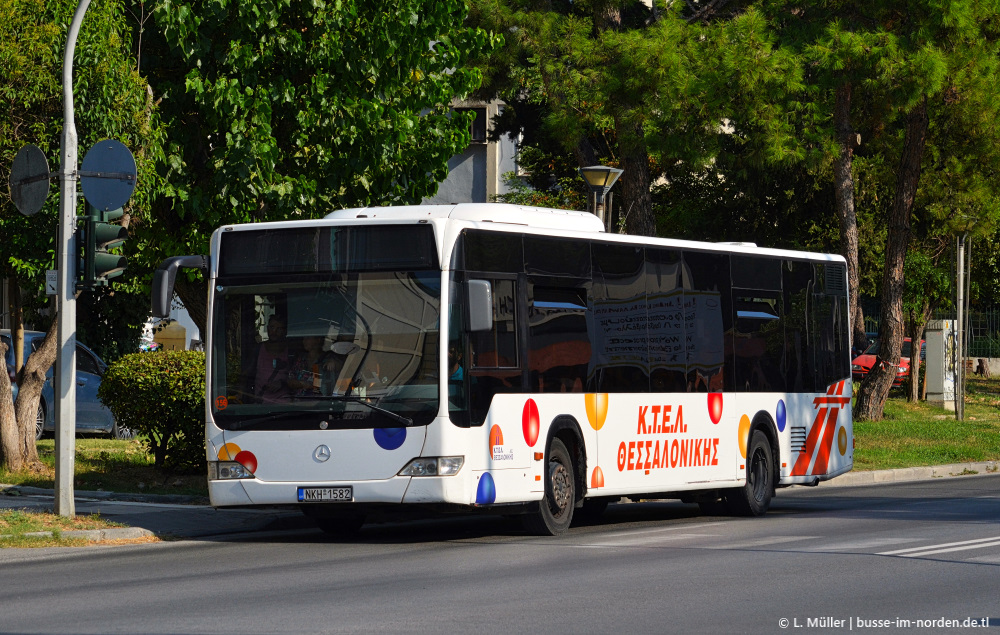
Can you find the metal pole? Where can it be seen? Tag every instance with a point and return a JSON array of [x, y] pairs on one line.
[[959, 353], [967, 312], [65, 370]]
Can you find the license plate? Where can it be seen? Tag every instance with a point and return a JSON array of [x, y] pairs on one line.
[[326, 494]]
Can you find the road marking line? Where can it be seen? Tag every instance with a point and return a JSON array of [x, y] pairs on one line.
[[638, 541], [920, 554], [763, 542], [946, 544], [857, 545]]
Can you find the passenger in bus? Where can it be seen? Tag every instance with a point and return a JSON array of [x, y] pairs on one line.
[[306, 375], [455, 372], [271, 378]]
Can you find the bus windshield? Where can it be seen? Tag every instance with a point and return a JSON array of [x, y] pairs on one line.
[[334, 351]]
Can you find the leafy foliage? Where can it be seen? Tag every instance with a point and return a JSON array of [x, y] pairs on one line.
[[110, 102], [161, 396], [291, 109]]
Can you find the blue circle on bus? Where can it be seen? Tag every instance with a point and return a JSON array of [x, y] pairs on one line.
[[780, 415], [390, 438], [486, 493]]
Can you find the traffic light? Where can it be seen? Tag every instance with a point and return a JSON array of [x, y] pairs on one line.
[[99, 235]]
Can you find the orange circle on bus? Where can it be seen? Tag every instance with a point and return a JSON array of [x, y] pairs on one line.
[[228, 452], [597, 478], [744, 434], [221, 403], [842, 441], [597, 409]]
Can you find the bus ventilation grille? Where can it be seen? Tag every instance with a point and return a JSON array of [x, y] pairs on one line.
[[798, 439], [835, 283]]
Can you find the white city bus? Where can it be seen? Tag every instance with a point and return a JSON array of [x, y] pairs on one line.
[[517, 360]]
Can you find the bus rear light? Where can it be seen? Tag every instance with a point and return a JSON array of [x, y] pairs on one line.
[[434, 466], [225, 470]]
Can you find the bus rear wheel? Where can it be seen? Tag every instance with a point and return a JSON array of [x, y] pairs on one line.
[[555, 510], [754, 498]]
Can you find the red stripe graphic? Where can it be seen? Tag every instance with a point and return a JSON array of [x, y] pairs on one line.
[[823, 458], [801, 467], [825, 424]]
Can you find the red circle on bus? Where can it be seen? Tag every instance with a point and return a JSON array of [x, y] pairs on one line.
[[715, 406], [221, 403], [529, 422], [247, 460]]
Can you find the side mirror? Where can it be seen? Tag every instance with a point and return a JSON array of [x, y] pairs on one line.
[[480, 305], [164, 277]]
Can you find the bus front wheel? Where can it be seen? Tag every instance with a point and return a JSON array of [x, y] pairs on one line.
[[754, 497], [555, 510]]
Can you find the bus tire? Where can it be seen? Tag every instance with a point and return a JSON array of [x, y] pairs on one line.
[[754, 497], [555, 510]]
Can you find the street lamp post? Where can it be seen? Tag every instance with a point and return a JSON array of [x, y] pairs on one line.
[[65, 371], [601, 178]]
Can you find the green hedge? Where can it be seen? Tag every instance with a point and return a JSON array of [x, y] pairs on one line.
[[161, 395]]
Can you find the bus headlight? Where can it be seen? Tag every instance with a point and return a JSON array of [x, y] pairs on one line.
[[433, 466], [224, 470]]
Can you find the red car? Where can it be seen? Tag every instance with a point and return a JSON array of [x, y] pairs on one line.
[[863, 362]]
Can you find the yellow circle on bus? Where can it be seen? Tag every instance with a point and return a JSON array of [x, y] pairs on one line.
[[228, 452], [842, 440], [744, 433]]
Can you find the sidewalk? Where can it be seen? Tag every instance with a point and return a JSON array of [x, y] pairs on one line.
[[188, 517], [146, 515]]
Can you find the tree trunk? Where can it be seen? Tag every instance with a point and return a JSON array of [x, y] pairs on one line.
[[918, 323], [194, 296], [635, 204], [10, 455], [844, 202], [17, 322], [875, 388], [29, 393]]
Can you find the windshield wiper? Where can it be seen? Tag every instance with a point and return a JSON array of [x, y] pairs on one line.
[[275, 416], [398, 418]]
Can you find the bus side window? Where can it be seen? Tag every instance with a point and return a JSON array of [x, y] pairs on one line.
[[494, 366], [559, 348]]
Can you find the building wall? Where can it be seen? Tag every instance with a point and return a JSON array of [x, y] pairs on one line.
[[476, 175]]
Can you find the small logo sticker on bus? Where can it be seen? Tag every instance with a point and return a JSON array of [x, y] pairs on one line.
[[221, 403], [497, 450]]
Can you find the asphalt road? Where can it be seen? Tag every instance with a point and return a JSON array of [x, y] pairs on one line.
[[894, 552]]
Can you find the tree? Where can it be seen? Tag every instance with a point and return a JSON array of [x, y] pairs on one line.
[[282, 110], [947, 61], [642, 87], [110, 100]]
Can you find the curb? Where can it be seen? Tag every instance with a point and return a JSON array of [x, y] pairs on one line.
[[97, 535], [907, 474], [168, 499]]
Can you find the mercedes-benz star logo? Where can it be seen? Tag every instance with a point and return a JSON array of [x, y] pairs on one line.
[[322, 453]]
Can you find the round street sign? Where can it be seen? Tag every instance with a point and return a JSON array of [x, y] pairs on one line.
[[29, 180], [107, 175]]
